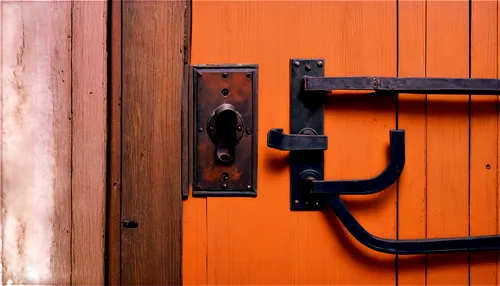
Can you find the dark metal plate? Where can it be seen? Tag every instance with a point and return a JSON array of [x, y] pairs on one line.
[[215, 86], [305, 113]]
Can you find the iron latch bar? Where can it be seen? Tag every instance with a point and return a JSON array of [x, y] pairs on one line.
[[306, 143], [480, 86]]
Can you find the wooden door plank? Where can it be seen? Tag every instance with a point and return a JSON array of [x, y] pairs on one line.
[[36, 142], [260, 241], [152, 78], [483, 140], [412, 118], [447, 139], [113, 226], [89, 83]]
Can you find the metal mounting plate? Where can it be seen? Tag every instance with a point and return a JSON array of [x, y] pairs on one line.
[[214, 86], [305, 113]]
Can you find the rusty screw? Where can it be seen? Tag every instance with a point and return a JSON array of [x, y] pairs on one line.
[[225, 176], [249, 131], [224, 75], [224, 92], [296, 202], [296, 63], [200, 129], [224, 186], [320, 63], [249, 187], [308, 67], [239, 128], [249, 75]]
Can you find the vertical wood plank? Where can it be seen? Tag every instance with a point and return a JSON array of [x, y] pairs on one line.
[[61, 88], [89, 81], [152, 62], [36, 142], [447, 139], [113, 241], [412, 118], [483, 140]]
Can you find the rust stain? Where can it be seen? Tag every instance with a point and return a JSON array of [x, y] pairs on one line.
[[17, 81], [20, 54], [22, 97], [21, 239]]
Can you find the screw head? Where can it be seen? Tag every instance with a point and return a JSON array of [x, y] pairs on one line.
[[296, 202], [296, 63], [249, 187], [199, 188], [320, 63], [224, 186], [249, 74], [224, 92], [200, 129], [308, 67], [225, 176], [224, 75], [239, 128], [249, 131]]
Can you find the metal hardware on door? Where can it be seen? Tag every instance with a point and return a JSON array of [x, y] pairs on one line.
[[225, 124], [306, 143]]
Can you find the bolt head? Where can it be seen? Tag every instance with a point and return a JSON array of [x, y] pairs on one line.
[[249, 131], [296, 63], [224, 75], [249, 75], [296, 202], [249, 187], [224, 186], [320, 63], [308, 67], [200, 129], [239, 128]]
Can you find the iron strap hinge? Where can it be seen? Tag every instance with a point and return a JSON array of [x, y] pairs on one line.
[[306, 143]]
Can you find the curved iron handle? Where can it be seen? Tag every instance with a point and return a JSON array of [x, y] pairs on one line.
[[308, 140], [373, 185], [409, 246]]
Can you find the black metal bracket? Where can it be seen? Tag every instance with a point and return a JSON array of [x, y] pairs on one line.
[[306, 143]]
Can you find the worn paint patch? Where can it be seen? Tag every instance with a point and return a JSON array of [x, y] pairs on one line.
[[28, 155]]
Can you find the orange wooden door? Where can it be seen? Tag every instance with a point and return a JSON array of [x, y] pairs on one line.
[[449, 183]]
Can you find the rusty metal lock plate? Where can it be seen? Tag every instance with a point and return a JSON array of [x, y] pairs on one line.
[[225, 130]]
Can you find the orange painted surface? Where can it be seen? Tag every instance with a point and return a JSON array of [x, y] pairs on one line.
[[249, 241]]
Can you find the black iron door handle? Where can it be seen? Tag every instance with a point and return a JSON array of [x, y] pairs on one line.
[[409, 246], [309, 191]]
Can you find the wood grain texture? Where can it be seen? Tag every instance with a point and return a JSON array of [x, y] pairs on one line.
[[412, 118], [483, 140], [260, 241], [152, 70], [36, 142], [89, 81], [61, 88], [447, 139], [113, 226]]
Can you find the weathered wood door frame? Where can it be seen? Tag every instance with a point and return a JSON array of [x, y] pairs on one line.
[[149, 54]]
